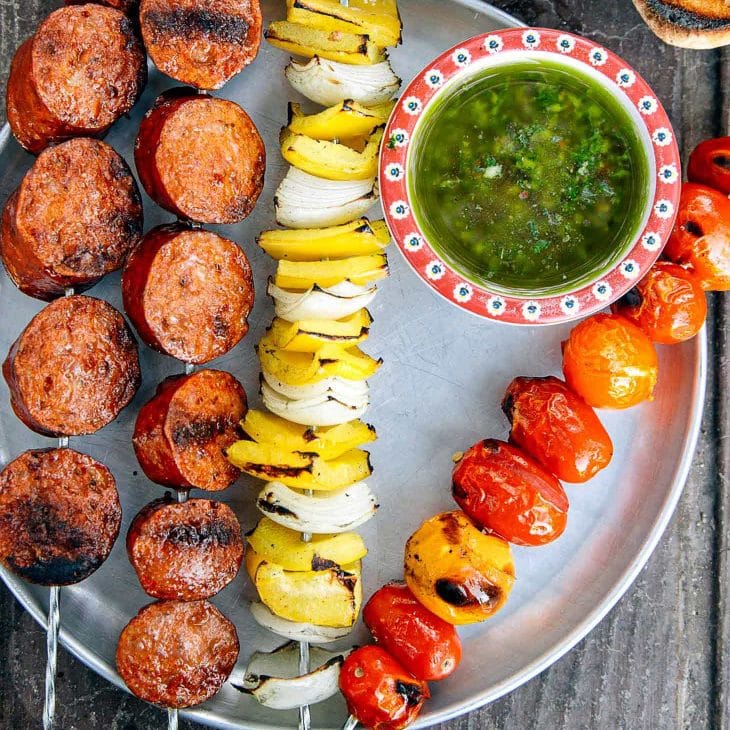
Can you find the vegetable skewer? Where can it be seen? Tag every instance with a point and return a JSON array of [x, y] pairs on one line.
[[304, 711]]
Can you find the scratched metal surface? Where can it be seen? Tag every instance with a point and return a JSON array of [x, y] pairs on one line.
[[439, 392]]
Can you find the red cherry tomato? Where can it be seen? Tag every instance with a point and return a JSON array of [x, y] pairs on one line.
[[610, 362], [427, 646], [709, 164], [557, 427], [668, 304], [700, 240], [505, 491], [379, 692]]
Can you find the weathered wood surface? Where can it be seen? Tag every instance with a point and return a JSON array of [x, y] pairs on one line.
[[660, 659]]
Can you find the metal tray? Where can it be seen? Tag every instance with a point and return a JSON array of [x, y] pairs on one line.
[[439, 392]]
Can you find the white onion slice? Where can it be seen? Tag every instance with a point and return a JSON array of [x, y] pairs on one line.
[[306, 201], [273, 677], [295, 631], [329, 82], [331, 513], [317, 303], [350, 392], [323, 410]]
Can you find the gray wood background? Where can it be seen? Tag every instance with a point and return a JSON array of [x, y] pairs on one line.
[[660, 659]]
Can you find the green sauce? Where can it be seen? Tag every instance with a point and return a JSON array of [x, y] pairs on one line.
[[531, 177]]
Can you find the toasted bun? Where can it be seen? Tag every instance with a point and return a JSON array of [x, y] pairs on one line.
[[688, 23]]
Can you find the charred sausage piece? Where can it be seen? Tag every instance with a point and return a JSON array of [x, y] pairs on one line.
[[59, 516], [180, 434], [74, 218], [202, 43], [200, 157], [82, 70], [124, 5], [185, 551], [73, 368], [177, 654], [188, 292]]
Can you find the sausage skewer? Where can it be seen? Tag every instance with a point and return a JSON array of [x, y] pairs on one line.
[[52, 626], [182, 496]]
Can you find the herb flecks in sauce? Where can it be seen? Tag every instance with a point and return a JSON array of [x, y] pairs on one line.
[[531, 176]]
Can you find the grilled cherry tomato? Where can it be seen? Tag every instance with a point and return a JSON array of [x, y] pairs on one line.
[[427, 646], [379, 692], [700, 240], [709, 164], [456, 571], [610, 362], [505, 491], [669, 304], [557, 427]]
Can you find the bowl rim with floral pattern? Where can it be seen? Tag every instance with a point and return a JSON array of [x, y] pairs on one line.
[[458, 65]]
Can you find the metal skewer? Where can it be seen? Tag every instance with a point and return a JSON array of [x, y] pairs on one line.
[[173, 715], [52, 627], [305, 719]]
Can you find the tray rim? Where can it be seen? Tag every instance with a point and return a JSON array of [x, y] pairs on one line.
[[693, 426]]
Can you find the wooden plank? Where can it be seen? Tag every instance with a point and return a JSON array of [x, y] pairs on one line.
[[721, 706]]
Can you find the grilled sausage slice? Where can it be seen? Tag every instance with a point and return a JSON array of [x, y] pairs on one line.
[[188, 292], [200, 157], [73, 368], [177, 654], [82, 69], [185, 551], [74, 218], [181, 433], [124, 5], [202, 43], [59, 516]]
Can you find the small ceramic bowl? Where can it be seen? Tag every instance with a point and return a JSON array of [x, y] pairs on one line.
[[456, 67]]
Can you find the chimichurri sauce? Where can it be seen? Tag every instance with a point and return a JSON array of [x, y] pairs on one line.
[[531, 177]]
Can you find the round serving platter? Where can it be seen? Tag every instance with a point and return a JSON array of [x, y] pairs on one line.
[[438, 392]]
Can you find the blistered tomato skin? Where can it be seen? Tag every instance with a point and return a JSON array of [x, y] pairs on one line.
[[709, 164], [427, 646], [700, 240], [456, 571], [557, 428], [610, 362], [379, 692], [508, 493], [668, 304]]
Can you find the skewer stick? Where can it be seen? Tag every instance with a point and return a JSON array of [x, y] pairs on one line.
[[52, 627], [305, 719], [49, 703], [182, 496]]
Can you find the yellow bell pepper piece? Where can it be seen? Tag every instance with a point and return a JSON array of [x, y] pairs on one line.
[[303, 275], [305, 368], [319, 475], [359, 238], [342, 122], [283, 546], [311, 335], [325, 598], [328, 442], [378, 18], [330, 160], [352, 48]]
